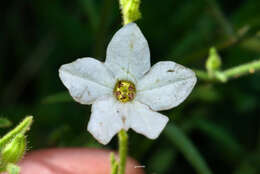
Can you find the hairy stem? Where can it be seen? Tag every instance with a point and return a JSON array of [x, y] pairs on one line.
[[114, 164], [242, 69], [123, 141], [224, 76], [20, 129]]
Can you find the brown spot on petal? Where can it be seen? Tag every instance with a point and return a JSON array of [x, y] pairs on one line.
[[123, 119], [131, 45]]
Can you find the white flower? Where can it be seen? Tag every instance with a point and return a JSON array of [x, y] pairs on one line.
[[125, 91]]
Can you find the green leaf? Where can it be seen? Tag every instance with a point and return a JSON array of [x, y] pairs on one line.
[[222, 137], [4, 123], [57, 134], [58, 98], [167, 155], [186, 147], [90, 9]]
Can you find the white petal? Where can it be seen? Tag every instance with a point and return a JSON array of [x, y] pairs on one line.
[[145, 121], [87, 79], [128, 55], [165, 86], [105, 120]]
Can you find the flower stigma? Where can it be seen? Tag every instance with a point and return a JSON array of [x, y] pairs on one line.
[[124, 91]]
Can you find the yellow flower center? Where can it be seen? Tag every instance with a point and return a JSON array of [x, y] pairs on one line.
[[124, 91]]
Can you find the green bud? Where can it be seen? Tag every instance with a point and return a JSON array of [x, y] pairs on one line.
[[213, 62], [13, 169], [13, 151], [130, 10]]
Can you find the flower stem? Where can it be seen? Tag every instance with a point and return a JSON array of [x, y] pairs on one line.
[[224, 76], [123, 141], [114, 164]]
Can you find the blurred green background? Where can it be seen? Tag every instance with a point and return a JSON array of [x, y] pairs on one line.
[[217, 130]]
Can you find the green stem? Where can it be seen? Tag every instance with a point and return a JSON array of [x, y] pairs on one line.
[[224, 76], [242, 69], [123, 141], [20, 129], [202, 75], [114, 164]]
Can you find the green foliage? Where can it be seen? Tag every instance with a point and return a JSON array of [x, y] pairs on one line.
[[4, 123], [184, 145], [57, 98], [13, 146], [13, 151]]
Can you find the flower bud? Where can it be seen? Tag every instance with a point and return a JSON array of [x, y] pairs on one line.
[[213, 62], [13, 151], [130, 10]]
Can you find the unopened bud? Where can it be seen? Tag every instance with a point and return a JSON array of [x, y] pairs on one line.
[[13, 151], [130, 10], [213, 62]]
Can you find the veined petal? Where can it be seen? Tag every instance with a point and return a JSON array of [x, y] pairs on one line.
[[145, 121], [105, 120], [165, 86], [128, 55], [87, 79]]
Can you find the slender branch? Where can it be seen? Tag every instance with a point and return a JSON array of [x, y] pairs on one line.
[[242, 69], [225, 25], [224, 76], [242, 34], [123, 141]]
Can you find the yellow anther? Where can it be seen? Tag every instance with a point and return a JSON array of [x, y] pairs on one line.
[[124, 91]]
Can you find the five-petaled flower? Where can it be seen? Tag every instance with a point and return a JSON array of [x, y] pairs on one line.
[[125, 90]]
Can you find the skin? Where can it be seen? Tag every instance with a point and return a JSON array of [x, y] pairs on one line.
[[72, 161]]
